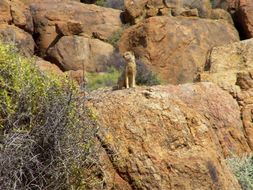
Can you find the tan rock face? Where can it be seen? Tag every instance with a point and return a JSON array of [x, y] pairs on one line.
[[16, 12], [174, 47], [217, 14], [229, 5], [231, 68], [48, 67], [5, 11], [21, 15], [29, 2], [93, 19], [165, 137], [78, 53], [22, 39], [244, 19], [138, 10]]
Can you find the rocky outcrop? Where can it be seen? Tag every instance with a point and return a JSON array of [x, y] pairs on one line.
[[47, 67], [5, 11], [17, 13], [244, 19], [29, 2], [229, 5], [19, 37], [225, 62], [136, 11], [167, 137], [230, 67], [80, 53], [174, 47], [94, 21]]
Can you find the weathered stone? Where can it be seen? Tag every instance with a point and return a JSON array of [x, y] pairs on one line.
[[80, 53], [229, 5], [138, 10], [176, 53], [22, 39], [48, 67], [244, 19], [78, 76], [230, 67], [156, 139], [217, 14], [92, 18], [69, 28], [5, 11], [21, 15]]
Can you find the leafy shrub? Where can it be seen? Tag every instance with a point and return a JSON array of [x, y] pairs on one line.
[[145, 76], [105, 79], [46, 136], [100, 3], [115, 37], [243, 170]]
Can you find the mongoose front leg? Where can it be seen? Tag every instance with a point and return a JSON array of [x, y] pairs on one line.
[[133, 85], [127, 82]]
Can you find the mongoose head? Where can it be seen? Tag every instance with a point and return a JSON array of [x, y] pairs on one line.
[[129, 56]]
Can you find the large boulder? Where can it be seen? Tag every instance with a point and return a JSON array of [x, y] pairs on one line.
[[244, 19], [80, 53], [17, 36], [95, 21], [29, 2], [5, 11], [17, 13], [230, 67], [21, 15], [167, 137], [229, 5], [176, 48], [138, 10], [225, 62], [48, 67]]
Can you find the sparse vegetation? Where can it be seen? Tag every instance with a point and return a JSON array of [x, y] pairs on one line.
[[105, 79], [46, 134], [145, 76], [115, 4], [243, 170], [115, 37]]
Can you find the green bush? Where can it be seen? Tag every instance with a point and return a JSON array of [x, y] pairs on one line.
[[46, 134], [100, 80], [243, 170], [115, 37]]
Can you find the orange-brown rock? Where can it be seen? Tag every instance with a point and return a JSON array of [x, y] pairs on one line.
[[93, 19], [29, 2], [5, 11], [69, 28], [17, 36], [21, 15], [230, 67], [229, 5], [80, 53], [16, 12], [244, 19], [78, 76], [167, 137], [176, 47], [138, 10], [48, 67], [217, 14]]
